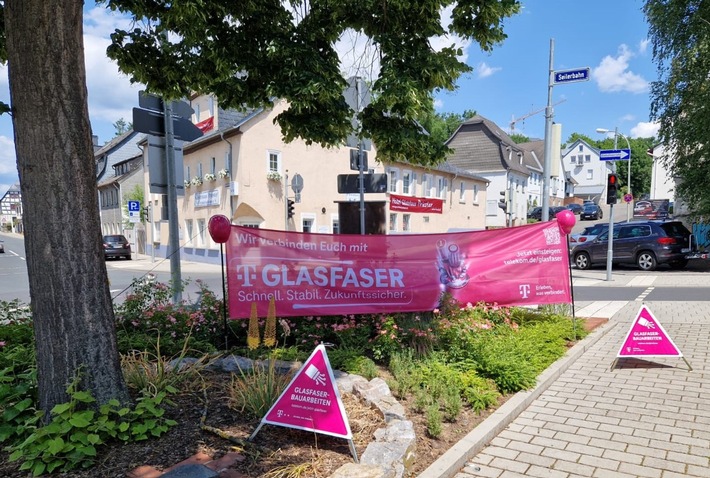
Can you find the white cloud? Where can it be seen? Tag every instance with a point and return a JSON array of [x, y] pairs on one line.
[[613, 75], [643, 46], [484, 71], [645, 130], [438, 104]]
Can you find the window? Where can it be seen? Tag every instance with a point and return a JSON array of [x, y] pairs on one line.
[[581, 148], [274, 161], [156, 230], [335, 224], [588, 158], [441, 184], [413, 188], [475, 193], [393, 222], [573, 159], [213, 165], [429, 188], [393, 173], [188, 176], [190, 232], [406, 182], [462, 192], [406, 222], [201, 242], [199, 169], [307, 224], [590, 174]]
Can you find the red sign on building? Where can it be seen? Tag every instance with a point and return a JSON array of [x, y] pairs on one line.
[[415, 204]]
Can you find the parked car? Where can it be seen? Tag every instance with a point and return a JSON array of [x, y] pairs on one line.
[[116, 245], [575, 208], [536, 213], [591, 211], [2, 246], [646, 244], [588, 233]]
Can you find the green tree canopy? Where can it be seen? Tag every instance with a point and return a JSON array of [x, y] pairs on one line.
[[680, 33], [248, 53]]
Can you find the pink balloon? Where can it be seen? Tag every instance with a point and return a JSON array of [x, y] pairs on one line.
[[220, 228], [566, 220]]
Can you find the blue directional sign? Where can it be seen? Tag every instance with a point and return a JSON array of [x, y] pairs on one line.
[[134, 206], [615, 155], [570, 76]]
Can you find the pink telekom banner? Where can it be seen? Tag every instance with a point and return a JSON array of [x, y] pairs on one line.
[[324, 274]]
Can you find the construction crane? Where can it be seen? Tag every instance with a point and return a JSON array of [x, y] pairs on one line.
[[532, 113]]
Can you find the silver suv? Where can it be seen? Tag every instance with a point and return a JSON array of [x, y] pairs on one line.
[[646, 244]]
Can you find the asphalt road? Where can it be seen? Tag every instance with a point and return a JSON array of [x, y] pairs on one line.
[[14, 283]]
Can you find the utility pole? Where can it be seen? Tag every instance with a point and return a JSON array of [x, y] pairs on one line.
[[173, 227]]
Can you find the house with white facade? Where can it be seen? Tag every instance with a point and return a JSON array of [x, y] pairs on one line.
[[11, 210], [534, 161], [585, 172]]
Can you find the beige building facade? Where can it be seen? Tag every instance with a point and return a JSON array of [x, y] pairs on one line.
[[241, 168]]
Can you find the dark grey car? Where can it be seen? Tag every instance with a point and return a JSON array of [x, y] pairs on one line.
[[116, 245], [646, 244]]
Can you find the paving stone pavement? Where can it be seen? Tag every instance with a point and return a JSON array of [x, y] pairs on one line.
[[645, 417]]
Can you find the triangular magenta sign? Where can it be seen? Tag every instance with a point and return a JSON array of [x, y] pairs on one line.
[[648, 338], [311, 401]]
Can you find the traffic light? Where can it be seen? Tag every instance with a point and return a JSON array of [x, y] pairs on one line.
[[612, 184], [290, 208], [503, 202]]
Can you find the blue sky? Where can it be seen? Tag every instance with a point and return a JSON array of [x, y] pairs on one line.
[[608, 36]]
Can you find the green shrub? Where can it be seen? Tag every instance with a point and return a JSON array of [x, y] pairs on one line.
[[478, 392], [76, 431], [18, 394], [148, 313], [255, 391], [451, 404], [433, 421]]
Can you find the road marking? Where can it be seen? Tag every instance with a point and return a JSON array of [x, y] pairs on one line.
[[642, 281], [643, 294], [602, 309]]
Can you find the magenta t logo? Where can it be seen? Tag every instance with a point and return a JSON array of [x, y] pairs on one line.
[[524, 290]]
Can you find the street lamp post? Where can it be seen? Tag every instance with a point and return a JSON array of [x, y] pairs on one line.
[[628, 176]]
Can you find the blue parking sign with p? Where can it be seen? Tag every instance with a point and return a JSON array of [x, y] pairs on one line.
[[134, 206]]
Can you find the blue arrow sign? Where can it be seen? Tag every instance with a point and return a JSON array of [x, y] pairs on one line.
[[134, 206], [615, 155], [570, 76]]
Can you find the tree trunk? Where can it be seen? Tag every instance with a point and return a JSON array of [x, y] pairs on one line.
[[70, 297]]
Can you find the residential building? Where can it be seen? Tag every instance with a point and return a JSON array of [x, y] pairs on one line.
[[483, 149], [558, 183], [585, 172], [11, 210], [127, 181], [242, 168]]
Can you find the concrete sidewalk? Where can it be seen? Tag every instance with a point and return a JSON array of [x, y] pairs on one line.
[[647, 417]]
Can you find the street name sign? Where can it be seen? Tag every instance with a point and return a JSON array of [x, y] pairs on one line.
[[570, 76], [614, 154]]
